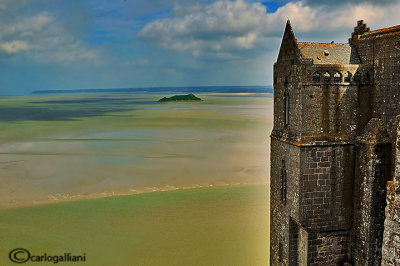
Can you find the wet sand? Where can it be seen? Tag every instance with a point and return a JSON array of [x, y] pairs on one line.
[[68, 147], [207, 226]]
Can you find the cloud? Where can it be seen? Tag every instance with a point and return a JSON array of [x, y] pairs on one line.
[[14, 46], [237, 29], [65, 44], [346, 2], [208, 29], [12, 5], [325, 21], [42, 38], [246, 41]]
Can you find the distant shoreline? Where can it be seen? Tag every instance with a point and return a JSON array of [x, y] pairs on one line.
[[189, 89], [60, 198]]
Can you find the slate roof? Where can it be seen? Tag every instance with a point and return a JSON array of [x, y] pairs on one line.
[[329, 53], [381, 31]]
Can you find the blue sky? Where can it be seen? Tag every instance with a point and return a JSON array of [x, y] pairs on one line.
[[64, 44]]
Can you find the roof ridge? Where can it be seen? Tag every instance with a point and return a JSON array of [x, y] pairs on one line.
[[324, 43], [329, 53], [383, 30]]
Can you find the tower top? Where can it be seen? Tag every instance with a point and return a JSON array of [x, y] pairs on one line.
[[359, 30]]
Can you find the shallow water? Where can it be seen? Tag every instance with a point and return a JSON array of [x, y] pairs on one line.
[[207, 226], [83, 146]]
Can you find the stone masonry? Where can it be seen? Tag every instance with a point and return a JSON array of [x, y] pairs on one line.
[[333, 150], [391, 235]]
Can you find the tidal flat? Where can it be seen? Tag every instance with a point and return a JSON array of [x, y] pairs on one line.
[[205, 226], [64, 147], [66, 162]]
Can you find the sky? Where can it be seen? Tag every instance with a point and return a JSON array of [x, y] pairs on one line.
[[89, 44]]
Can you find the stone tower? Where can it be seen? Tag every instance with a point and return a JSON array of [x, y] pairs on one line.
[[335, 110]]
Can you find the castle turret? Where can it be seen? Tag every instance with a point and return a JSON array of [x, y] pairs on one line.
[[316, 102], [331, 149]]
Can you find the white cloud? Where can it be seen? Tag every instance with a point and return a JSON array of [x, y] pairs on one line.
[[14, 46], [43, 39], [346, 2], [207, 28], [246, 41], [209, 21], [329, 18], [25, 26], [234, 28], [300, 15]]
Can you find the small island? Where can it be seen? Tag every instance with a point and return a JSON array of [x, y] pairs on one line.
[[181, 98]]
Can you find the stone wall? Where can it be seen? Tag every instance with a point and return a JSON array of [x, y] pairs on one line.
[[286, 160], [372, 173], [326, 202], [379, 52], [313, 224], [391, 236], [287, 85], [331, 248], [327, 184], [331, 112]]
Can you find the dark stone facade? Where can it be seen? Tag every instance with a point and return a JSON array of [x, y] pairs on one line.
[[333, 149], [391, 236]]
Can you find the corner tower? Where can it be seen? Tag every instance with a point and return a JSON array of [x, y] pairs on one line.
[[321, 102]]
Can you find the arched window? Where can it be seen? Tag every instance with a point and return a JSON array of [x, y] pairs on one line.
[[337, 77], [368, 77], [347, 77], [287, 109], [286, 103], [327, 77], [283, 183], [357, 77], [316, 77]]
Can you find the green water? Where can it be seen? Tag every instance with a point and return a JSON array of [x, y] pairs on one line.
[[64, 158], [208, 226], [63, 147]]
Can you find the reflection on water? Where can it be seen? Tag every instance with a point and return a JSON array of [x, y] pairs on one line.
[[137, 152], [52, 114]]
